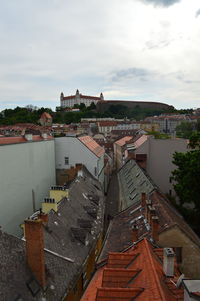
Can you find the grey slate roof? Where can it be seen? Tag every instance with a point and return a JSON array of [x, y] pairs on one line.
[[61, 244], [133, 181]]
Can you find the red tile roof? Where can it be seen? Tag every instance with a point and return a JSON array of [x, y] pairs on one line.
[[81, 96], [142, 279], [141, 140], [123, 140], [45, 115], [13, 140], [107, 123], [92, 145]]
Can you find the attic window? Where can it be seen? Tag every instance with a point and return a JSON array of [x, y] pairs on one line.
[[33, 286], [132, 190]]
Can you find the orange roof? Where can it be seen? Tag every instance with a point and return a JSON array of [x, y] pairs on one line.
[[139, 277], [81, 96], [13, 140], [45, 115], [141, 140], [107, 123], [123, 140], [92, 145]]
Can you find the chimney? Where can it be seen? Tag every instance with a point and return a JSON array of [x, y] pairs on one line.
[[28, 137], [43, 217], [44, 136], [134, 233], [48, 204], [168, 262], [58, 193], [151, 212], [146, 213], [35, 249], [155, 227], [143, 199]]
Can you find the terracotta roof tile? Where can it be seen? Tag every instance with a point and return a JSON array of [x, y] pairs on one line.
[[123, 140], [92, 145], [143, 279], [117, 294], [46, 115]]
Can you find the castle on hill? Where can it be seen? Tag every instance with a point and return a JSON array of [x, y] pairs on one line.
[[70, 101]]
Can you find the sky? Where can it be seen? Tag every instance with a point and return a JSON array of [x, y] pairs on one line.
[[128, 49]]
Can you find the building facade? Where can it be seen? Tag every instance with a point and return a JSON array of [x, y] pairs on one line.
[[27, 171], [77, 99], [84, 150]]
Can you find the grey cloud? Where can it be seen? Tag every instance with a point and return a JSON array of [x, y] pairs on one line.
[[197, 13], [129, 73], [161, 44], [165, 3], [183, 78]]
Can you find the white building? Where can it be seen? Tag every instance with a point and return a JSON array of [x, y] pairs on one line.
[[77, 99], [159, 157], [72, 150], [27, 171]]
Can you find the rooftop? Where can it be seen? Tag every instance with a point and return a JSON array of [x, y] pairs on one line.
[[68, 239], [92, 145], [123, 140], [135, 274]]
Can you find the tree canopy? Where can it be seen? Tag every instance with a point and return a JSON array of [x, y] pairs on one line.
[[186, 180]]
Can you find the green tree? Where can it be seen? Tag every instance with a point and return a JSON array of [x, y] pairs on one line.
[[186, 180], [184, 130]]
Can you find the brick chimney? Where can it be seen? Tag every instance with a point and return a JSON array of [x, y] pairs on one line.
[[43, 217], [155, 227], [35, 249], [134, 233], [143, 199]]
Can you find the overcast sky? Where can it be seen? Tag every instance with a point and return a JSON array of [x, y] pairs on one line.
[[128, 49]]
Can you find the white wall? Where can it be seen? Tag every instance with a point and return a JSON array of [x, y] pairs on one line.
[[23, 167], [159, 160], [78, 153]]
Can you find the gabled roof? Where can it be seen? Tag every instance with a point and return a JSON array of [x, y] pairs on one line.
[[65, 253], [141, 278], [81, 96], [123, 140], [92, 145], [45, 115], [141, 140], [133, 181], [20, 139]]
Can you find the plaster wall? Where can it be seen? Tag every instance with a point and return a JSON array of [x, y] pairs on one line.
[[174, 237], [24, 167], [159, 160], [77, 152]]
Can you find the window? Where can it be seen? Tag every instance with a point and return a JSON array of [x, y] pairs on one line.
[[66, 160], [178, 252]]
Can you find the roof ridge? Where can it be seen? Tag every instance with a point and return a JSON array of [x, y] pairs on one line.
[[154, 271]]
